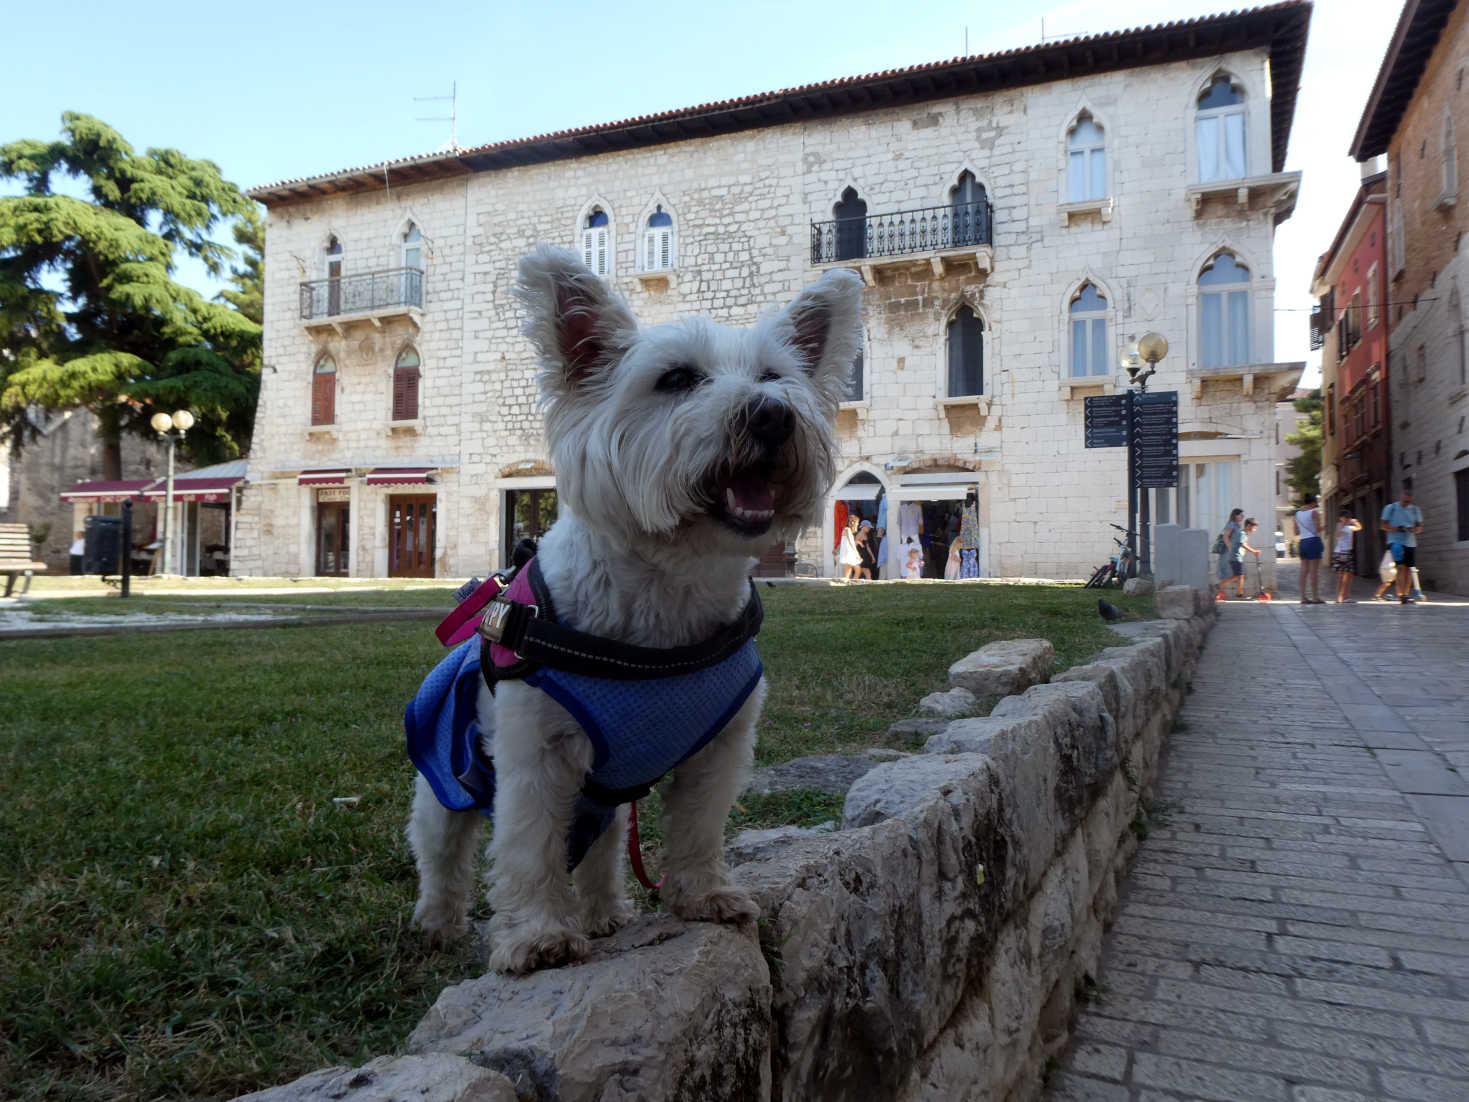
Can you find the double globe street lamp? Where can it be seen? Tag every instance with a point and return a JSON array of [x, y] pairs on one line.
[[171, 427], [1149, 349]]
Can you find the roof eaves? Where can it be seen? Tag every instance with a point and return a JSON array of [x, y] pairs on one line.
[[1413, 41]]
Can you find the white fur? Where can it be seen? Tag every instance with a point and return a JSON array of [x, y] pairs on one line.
[[647, 551]]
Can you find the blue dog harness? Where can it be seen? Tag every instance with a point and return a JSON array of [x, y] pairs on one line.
[[645, 711]]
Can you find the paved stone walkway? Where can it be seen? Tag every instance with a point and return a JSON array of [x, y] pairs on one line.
[[1296, 924]]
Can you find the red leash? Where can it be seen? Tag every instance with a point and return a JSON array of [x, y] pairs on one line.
[[635, 849]]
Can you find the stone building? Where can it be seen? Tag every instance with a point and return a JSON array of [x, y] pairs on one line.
[[1411, 116], [1352, 290], [1017, 218]]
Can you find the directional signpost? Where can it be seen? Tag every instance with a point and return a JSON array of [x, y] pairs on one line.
[[1147, 425]]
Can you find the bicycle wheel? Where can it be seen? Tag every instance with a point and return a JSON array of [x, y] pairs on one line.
[[1099, 579]]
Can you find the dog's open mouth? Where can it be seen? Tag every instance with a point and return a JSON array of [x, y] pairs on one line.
[[744, 502]]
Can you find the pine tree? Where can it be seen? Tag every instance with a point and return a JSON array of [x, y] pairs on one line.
[[90, 315]]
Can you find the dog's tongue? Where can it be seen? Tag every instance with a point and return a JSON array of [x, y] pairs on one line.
[[750, 495]]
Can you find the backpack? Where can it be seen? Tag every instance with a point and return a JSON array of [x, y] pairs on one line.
[[1220, 547]]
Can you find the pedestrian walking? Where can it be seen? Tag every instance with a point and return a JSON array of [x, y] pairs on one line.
[[1403, 521], [1343, 560], [1229, 546], [1387, 570], [1308, 524]]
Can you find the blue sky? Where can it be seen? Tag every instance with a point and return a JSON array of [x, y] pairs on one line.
[[271, 90]]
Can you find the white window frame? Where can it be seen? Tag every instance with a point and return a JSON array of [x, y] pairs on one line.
[[1090, 153], [411, 252], [659, 244], [596, 241], [1090, 319], [1224, 291], [1222, 115]]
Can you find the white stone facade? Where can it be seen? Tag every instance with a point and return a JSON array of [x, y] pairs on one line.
[[742, 206]]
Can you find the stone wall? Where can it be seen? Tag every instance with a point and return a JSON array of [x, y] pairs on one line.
[[934, 947]]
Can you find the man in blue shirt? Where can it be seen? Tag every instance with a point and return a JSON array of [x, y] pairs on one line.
[[1402, 521]]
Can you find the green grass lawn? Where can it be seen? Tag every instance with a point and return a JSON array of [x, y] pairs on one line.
[[189, 912]]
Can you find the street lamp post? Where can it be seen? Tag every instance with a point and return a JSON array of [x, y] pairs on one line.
[[171, 428], [1150, 348]]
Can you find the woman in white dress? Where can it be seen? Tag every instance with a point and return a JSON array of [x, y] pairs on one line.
[[847, 557]]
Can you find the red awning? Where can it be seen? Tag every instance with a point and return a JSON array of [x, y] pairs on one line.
[[399, 476], [194, 489], [126, 490], [337, 477]]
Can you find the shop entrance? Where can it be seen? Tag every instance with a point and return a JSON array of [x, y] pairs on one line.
[[528, 514], [333, 538], [411, 522]]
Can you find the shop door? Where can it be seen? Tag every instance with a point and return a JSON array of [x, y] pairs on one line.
[[333, 538], [529, 514], [411, 520]]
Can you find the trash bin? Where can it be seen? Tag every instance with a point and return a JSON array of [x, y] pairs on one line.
[[102, 538]]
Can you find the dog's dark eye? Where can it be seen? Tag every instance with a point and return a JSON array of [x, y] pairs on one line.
[[770, 377], [679, 378]]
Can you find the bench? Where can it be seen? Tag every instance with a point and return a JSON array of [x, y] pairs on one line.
[[15, 556]]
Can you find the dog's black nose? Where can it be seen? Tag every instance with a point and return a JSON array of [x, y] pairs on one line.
[[771, 423]]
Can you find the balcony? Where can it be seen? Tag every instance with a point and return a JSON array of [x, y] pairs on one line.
[[1276, 379], [936, 235], [1275, 193], [367, 297]]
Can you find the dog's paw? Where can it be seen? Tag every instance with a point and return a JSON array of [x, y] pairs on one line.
[[728, 905], [440, 926], [600, 920], [519, 952]]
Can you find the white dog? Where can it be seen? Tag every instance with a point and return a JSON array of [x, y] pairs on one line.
[[681, 452]]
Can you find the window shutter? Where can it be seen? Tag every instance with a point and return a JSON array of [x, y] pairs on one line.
[[650, 251], [665, 249], [323, 397], [405, 394], [588, 248], [601, 268]]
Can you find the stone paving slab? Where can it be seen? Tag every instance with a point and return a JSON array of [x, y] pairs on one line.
[[1296, 923]]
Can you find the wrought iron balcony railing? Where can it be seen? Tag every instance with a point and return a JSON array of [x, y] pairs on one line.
[[902, 233], [361, 293]]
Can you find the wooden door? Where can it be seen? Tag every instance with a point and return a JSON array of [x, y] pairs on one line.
[[411, 520]]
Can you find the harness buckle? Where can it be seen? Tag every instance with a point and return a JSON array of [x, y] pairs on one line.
[[496, 619]]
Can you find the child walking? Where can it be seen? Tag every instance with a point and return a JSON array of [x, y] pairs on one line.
[[1343, 561]]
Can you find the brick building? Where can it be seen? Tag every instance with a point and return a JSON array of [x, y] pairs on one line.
[[1351, 285], [1017, 220], [1411, 116]]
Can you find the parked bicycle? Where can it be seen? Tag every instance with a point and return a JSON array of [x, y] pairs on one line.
[[1121, 566]]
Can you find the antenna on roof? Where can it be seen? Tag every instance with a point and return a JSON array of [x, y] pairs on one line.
[[451, 118]]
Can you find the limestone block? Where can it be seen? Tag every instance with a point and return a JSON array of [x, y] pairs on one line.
[[1175, 602], [833, 773], [950, 705], [434, 1078], [1084, 734], [957, 1065], [1116, 693], [918, 730], [1101, 827], [1014, 997], [1136, 587], [880, 930], [1056, 910], [662, 1009], [1009, 666], [756, 845]]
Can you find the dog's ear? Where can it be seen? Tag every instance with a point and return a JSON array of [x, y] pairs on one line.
[[575, 322], [824, 326]]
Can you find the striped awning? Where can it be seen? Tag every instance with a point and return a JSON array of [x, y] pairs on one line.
[[399, 476], [194, 489], [130, 489], [335, 477]]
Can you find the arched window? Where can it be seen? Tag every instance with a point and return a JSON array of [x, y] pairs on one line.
[[1220, 126], [412, 265], [596, 242], [658, 241], [966, 353], [1086, 161], [332, 267], [969, 212], [1224, 313], [851, 226], [405, 385], [324, 391], [1090, 353]]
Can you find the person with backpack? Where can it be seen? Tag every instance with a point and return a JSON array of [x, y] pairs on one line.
[[1229, 546], [1402, 521]]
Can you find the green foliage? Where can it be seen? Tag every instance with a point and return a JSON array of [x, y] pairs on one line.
[[90, 314], [1303, 471]]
